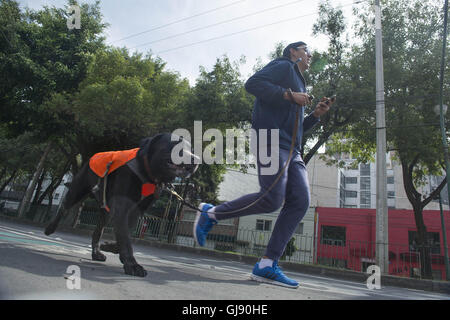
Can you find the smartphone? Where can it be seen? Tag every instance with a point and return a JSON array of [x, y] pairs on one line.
[[332, 99]]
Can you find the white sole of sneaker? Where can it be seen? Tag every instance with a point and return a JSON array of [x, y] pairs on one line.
[[265, 280], [197, 217], [195, 227]]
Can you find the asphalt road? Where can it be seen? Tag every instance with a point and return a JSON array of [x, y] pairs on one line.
[[34, 266]]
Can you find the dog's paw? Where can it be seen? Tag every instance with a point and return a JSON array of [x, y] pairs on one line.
[[110, 247], [50, 229], [98, 256], [135, 270]]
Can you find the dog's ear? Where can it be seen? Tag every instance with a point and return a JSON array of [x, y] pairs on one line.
[[146, 144]]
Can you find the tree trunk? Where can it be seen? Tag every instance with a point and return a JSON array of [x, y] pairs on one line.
[[11, 177], [24, 205], [414, 198], [422, 245], [53, 185], [316, 147], [3, 173], [39, 187]]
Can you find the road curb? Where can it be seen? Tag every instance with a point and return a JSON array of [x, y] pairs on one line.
[[339, 274]]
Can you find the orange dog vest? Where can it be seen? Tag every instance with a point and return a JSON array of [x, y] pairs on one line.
[[104, 163], [100, 161]]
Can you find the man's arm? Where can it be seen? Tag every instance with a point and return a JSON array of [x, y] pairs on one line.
[[314, 117], [310, 121], [264, 84]]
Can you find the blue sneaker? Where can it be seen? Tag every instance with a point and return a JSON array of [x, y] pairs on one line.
[[272, 275], [203, 223]]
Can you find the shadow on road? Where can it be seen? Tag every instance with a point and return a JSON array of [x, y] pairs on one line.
[[55, 264]]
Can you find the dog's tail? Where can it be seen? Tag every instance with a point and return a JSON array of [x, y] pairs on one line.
[[79, 189]]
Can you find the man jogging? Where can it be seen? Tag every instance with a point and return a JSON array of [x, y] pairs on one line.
[[279, 89]]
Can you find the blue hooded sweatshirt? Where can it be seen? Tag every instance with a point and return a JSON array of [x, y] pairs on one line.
[[271, 110]]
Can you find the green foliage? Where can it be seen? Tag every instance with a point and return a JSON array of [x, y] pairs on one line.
[[411, 51], [412, 45], [220, 101], [40, 56]]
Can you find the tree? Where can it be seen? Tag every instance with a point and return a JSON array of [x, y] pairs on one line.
[[220, 101], [40, 56], [411, 50], [328, 76]]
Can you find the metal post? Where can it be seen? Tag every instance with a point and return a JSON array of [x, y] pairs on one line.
[[382, 248], [443, 130], [444, 238]]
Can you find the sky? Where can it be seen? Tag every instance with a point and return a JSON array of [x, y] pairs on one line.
[[255, 28]]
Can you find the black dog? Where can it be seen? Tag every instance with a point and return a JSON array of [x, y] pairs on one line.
[[124, 192]]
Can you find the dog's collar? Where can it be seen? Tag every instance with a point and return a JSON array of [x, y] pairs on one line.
[[149, 172]]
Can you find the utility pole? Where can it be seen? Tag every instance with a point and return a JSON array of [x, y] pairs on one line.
[[382, 248], [443, 132]]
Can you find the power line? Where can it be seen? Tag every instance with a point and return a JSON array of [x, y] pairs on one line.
[[218, 23], [251, 29], [178, 21]]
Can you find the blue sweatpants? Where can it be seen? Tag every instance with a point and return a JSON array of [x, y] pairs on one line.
[[292, 189]]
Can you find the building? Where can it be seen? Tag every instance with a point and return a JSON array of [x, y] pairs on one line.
[[354, 185], [346, 239]]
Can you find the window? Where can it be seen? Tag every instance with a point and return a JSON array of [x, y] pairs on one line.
[[433, 242], [333, 235], [56, 196], [365, 183], [351, 194], [390, 180], [299, 229], [351, 180], [364, 169], [364, 199], [391, 194], [264, 225]]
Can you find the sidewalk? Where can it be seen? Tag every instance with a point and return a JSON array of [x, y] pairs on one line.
[[386, 280]]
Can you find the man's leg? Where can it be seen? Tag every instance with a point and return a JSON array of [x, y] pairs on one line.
[[294, 209], [255, 203], [266, 202]]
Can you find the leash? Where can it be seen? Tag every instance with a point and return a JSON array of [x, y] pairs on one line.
[[171, 189], [291, 151]]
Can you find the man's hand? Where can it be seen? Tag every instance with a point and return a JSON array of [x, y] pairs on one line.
[[300, 98], [323, 106]]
